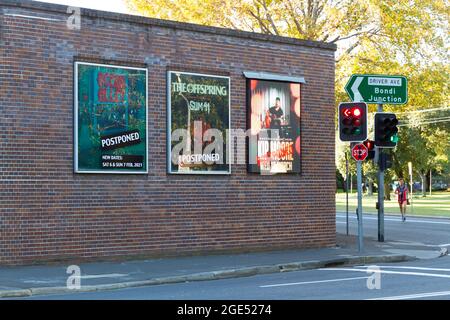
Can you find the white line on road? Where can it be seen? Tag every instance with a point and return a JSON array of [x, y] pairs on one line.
[[311, 282], [398, 220], [367, 270], [413, 268], [403, 243], [415, 296]]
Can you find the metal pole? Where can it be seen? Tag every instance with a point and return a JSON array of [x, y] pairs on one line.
[[380, 204], [430, 182], [410, 171], [380, 191], [411, 181], [360, 224], [351, 183], [346, 186]]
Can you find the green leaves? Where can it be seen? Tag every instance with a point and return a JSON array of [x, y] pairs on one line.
[[373, 36]]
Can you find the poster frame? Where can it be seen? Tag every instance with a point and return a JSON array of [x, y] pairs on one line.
[[75, 120], [169, 124], [248, 95]]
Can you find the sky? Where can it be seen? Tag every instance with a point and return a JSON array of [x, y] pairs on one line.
[[105, 5]]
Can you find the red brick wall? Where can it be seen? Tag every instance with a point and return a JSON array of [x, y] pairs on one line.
[[48, 213]]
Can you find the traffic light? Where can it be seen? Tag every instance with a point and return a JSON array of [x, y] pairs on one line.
[[385, 161], [353, 121], [386, 130], [370, 145]]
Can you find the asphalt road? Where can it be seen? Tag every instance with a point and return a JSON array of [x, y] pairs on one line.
[[423, 279], [420, 279]]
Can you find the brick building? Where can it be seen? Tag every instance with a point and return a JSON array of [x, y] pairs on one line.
[[50, 213]]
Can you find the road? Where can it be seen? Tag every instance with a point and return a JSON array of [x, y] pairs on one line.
[[420, 279], [413, 280]]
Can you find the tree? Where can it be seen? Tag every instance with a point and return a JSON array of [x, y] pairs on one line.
[[349, 23], [373, 36]]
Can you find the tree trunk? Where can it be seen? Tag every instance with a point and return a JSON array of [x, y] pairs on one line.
[[370, 191], [387, 191], [344, 185], [424, 185]]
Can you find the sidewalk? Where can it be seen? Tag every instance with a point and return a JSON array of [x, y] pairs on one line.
[[35, 280]]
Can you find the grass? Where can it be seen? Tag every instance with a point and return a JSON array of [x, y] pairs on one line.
[[438, 204]]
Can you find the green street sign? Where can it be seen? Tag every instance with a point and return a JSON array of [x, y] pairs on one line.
[[380, 89]]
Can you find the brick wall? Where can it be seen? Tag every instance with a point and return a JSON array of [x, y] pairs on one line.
[[49, 213]]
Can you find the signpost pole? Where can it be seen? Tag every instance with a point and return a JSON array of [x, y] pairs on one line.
[[430, 182], [411, 183], [360, 224], [351, 183], [380, 192], [346, 186]]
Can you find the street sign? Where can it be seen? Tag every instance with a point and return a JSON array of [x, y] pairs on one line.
[[380, 89], [359, 152]]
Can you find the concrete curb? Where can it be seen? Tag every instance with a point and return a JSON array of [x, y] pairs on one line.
[[214, 275]]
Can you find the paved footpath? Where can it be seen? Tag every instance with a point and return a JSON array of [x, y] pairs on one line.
[[419, 231]]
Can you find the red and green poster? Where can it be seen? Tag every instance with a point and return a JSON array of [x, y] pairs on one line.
[[110, 119]]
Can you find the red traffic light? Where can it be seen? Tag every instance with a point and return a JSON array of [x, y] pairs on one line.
[[352, 121], [346, 112], [370, 144], [356, 112]]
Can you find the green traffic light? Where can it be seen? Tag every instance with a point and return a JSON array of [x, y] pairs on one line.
[[394, 138], [357, 131]]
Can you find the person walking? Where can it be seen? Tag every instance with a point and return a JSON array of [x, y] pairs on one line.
[[402, 194]]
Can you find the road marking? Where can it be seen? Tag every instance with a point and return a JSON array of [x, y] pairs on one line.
[[403, 243], [367, 270], [311, 282], [414, 268], [415, 296], [398, 220]]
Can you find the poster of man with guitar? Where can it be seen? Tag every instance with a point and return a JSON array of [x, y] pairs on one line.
[[274, 115], [274, 118]]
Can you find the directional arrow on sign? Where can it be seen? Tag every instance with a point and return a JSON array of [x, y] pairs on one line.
[[379, 89], [355, 86], [347, 112]]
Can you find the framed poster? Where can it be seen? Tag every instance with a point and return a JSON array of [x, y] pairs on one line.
[[110, 120], [273, 109], [198, 123]]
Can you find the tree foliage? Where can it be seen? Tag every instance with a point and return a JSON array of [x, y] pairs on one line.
[[407, 37]]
